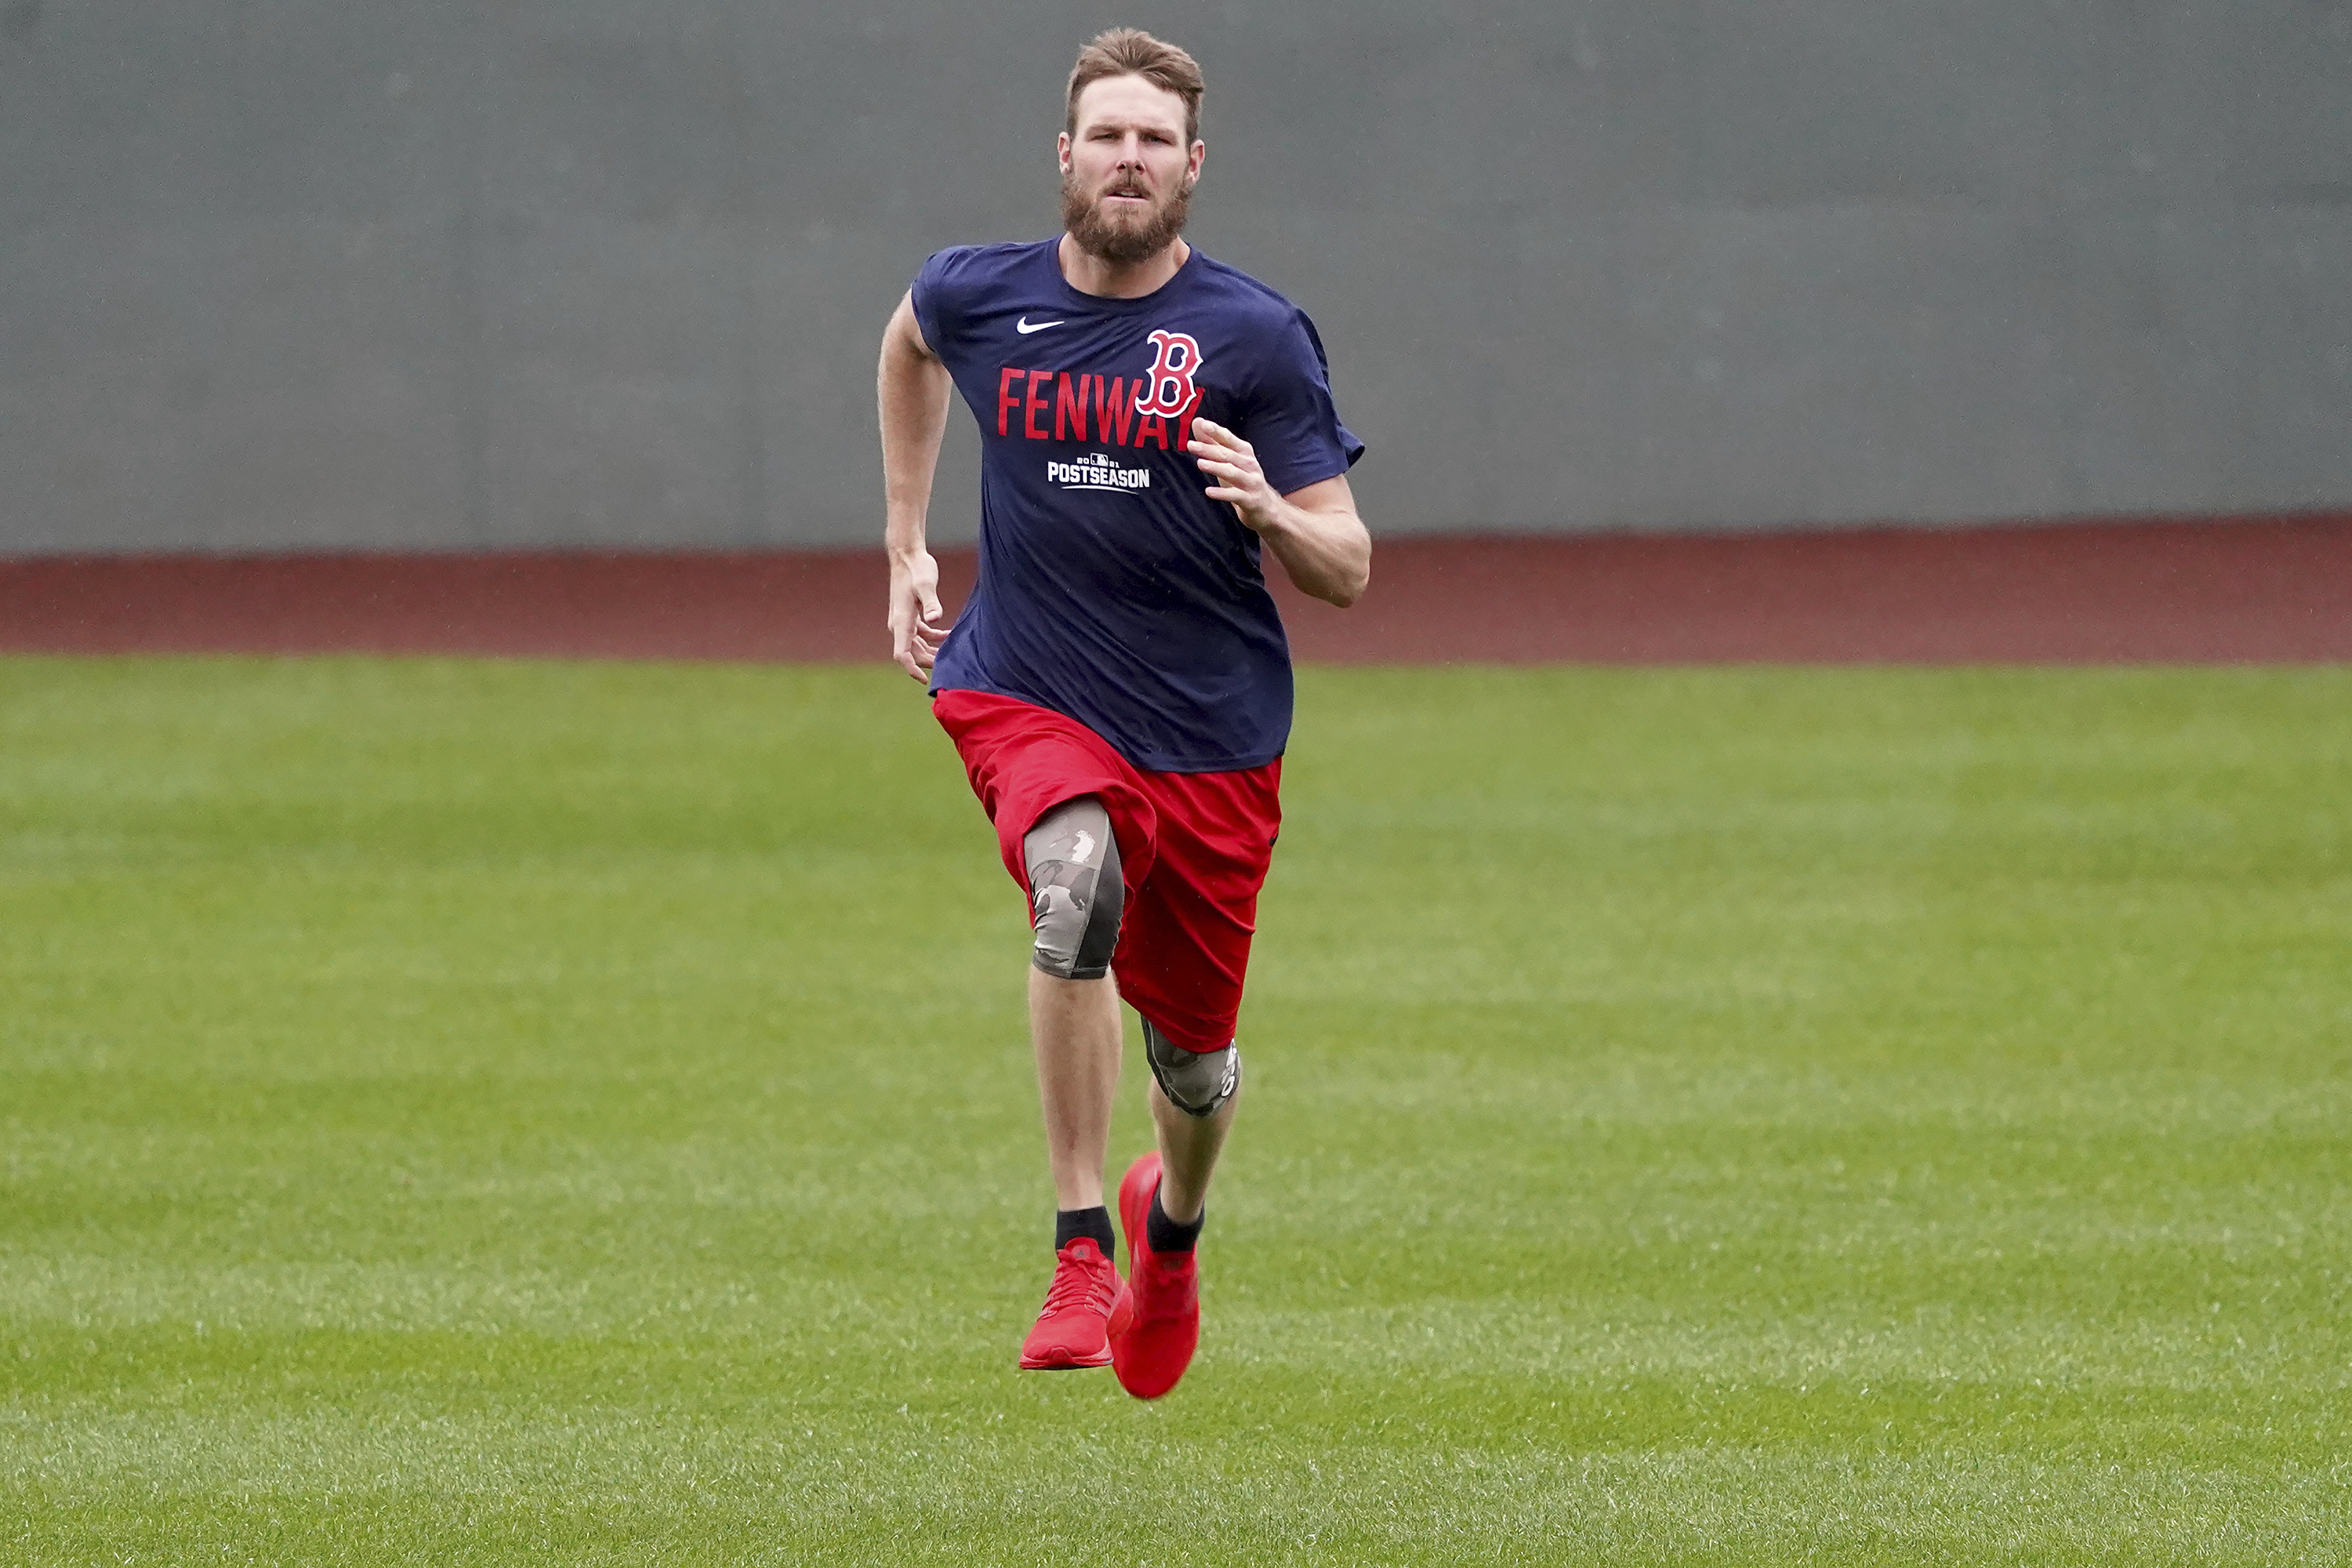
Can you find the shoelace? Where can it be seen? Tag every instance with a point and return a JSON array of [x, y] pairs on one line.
[[1076, 1286]]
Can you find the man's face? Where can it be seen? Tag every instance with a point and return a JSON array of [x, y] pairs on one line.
[[1126, 175]]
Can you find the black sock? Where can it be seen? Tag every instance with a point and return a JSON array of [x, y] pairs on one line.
[[1165, 1235], [1071, 1223]]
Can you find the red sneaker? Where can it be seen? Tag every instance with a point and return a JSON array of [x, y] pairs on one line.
[[1153, 1351], [1085, 1306]]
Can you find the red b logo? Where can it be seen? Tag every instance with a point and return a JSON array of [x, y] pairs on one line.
[[1168, 390]]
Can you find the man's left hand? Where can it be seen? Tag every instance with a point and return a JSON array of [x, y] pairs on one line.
[[1232, 462]]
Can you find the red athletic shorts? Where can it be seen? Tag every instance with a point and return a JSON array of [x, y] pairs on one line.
[[1194, 849]]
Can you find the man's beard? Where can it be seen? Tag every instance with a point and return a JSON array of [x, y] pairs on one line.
[[1117, 242]]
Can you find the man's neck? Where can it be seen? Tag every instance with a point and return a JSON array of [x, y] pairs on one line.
[[1090, 273]]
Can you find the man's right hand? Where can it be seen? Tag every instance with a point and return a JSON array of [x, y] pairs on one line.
[[917, 625]]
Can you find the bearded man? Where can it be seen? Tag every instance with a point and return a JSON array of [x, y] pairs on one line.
[[1118, 686]]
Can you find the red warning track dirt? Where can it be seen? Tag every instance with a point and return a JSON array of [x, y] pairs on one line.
[[2276, 590]]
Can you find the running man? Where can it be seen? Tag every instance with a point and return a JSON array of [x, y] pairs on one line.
[[1118, 686]]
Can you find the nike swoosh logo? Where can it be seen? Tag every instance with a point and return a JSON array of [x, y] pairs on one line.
[[1024, 326]]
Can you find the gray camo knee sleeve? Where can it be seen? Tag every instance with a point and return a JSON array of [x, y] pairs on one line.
[[1074, 890], [1197, 1083]]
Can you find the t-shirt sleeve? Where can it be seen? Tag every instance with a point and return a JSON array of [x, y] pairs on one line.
[[1289, 419], [938, 308]]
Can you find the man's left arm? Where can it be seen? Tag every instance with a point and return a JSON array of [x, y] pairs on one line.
[[1314, 531]]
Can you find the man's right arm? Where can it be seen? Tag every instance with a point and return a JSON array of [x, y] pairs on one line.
[[912, 387]]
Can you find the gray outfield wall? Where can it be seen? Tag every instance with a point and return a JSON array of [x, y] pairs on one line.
[[407, 275]]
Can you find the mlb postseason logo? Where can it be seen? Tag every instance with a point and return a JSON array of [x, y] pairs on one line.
[[1096, 472]]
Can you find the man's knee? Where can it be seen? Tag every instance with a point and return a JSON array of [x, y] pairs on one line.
[[1197, 1083], [1076, 893]]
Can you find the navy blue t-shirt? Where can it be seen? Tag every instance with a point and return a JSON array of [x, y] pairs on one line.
[[1111, 589]]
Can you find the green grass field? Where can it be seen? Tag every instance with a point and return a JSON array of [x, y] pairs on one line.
[[468, 1112]]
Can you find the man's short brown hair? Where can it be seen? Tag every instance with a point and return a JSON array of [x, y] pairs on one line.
[[1130, 51]]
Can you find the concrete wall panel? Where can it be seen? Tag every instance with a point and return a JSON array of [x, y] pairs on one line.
[[612, 272]]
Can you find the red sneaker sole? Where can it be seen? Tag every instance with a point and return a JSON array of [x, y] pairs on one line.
[[1064, 1362]]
